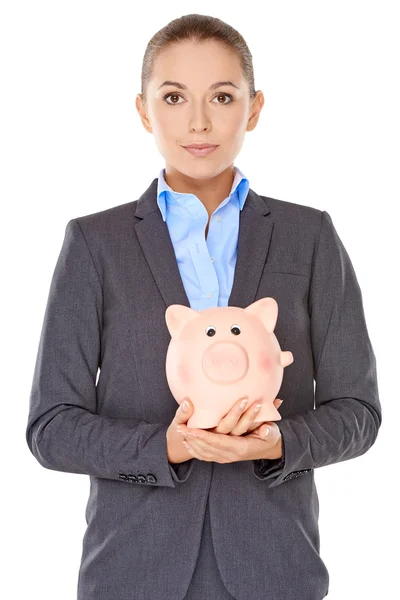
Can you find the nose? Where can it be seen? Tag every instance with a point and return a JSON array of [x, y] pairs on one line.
[[225, 362], [199, 119]]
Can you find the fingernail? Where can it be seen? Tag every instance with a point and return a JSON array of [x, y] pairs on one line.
[[281, 402], [185, 406], [257, 408], [266, 432], [243, 403]]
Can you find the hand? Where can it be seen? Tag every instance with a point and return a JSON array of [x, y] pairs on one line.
[[239, 420], [222, 448], [176, 451]]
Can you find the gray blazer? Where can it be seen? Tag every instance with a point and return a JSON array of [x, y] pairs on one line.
[[100, 403]]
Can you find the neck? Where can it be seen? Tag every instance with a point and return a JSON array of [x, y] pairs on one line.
[[211, 191]]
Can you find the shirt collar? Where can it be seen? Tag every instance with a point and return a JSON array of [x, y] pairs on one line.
[[165, 193]]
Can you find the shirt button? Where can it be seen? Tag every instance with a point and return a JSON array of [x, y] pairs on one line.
[[218, 218], [208, 295], [212, 258]]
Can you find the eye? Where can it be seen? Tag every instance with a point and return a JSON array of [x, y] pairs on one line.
[[174, 94], [210, 331], [226, 95], [235, 329]]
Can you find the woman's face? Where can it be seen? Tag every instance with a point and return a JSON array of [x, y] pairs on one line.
[[198, 113]]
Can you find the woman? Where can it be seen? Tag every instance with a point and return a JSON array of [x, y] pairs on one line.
[[229, 512]]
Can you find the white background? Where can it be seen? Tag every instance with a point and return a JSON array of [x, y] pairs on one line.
[[72, 143]]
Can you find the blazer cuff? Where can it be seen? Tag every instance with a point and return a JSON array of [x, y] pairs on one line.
[[284, 468], [265, 468], [180, 472]]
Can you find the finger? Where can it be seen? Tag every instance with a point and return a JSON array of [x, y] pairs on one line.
[[229, 447], [260, 429], [244, 418], [266, 432], [257, 425], [274, 436], [184, 430], [231, 418], [195, 448], [209, 441], [252, 426], [200, 446], [211, 453], [269, 432], [182, 416], [191, 450], [247, 419]]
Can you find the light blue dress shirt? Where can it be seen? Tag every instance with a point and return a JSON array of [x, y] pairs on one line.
[[207, 266]]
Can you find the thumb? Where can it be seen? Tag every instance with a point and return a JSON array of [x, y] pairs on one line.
[[260, 431], [183, 415]]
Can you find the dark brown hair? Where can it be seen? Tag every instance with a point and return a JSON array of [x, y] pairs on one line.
[[199, 28]]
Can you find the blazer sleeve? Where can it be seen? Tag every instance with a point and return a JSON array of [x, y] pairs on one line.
[[347, 414], [64, 431]]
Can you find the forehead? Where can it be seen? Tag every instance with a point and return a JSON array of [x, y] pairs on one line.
[[197, 63]]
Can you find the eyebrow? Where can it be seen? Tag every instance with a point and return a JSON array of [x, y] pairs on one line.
[[212, 86]]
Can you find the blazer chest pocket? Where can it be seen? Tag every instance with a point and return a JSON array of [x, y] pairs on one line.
[[288, 283], [288, 267]]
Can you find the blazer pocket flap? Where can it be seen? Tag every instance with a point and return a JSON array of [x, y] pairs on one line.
[[294, 268]]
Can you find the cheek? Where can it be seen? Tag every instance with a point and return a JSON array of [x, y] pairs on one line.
[[239, 118], [163, 123], [264, 363]]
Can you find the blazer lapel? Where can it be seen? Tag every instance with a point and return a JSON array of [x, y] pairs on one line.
[[255, 230]]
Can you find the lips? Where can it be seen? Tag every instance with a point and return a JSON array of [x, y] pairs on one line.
[[200, 146], [200, 150]]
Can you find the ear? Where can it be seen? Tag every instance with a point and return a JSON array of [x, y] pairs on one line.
[[177, 316], [286, 358], [266, 309]]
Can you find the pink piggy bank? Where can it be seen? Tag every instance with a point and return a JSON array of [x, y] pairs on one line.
[[218, 355]]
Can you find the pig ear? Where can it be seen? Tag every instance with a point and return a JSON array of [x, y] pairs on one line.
[[177, 316], [266, 309], [286, 358]]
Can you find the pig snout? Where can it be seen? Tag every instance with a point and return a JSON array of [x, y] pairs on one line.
[[225, 362]]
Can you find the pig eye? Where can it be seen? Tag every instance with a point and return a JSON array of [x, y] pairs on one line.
[[235, 329], [211, 330]]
